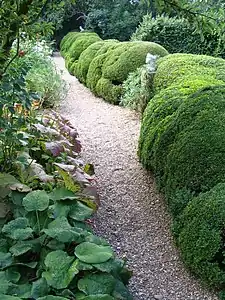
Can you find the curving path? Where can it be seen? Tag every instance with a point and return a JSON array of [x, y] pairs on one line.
[[132, 215]]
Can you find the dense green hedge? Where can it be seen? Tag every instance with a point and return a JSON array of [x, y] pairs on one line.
[[104, 65], [177, 36], [182, 141], [200, 235]]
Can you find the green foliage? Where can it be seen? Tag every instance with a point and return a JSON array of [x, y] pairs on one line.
[[82, 42], [176, 68], [67, 41], [182, 142], [176, 35], [86, 58], [105, 65], [137, 90], [30, 16], [115, 20], [95, 69], [200, 235], [48, 251]]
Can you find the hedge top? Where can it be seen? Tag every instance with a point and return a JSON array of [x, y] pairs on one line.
[[173, 69]]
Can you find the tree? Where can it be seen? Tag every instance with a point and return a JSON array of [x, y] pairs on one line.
[[29, 16]]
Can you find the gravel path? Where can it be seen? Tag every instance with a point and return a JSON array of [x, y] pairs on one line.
[[132, 215]]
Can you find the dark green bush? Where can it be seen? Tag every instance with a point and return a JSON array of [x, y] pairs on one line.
[[200, 235], [182, 140], [177, 36], [175, 137]]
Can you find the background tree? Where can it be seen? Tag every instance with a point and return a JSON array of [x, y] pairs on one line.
[[29, 16]]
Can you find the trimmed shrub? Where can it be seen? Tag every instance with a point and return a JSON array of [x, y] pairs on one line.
[[82, 42], [175, 68], [177, 36], [67, 41], [180, 135], [127, 57], [119, 62], [196, 160], [108, 91], [200, 235], [86, 58], [95, 69]]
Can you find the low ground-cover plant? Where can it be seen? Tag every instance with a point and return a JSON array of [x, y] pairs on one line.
[[136, 90], [47, 247], [138, 87]]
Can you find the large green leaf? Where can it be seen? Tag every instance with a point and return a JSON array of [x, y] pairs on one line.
[[3, 245], [18, 229], [93, 254], [121, 292], [36, 201], [39, 288], [20, 248], [7, 179], [5, 260], [112, 265], [94, 284], [60, 269], [22, 290], [61, 230], [96, 240], [59, 209], [4, 283], [12, 274], [80, 212], [62, 194]]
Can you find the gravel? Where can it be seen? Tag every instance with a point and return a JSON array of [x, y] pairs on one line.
[[132, 216]]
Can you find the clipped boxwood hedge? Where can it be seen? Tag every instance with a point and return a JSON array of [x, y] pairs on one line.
[[104, 65], [125, 58], [175, 68], [182, 141], [81, 42], [86, 58], [67, 41], [200, 235], [95, 69]]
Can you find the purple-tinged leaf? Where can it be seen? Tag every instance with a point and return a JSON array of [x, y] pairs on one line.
[[54, 147], [67, 168]]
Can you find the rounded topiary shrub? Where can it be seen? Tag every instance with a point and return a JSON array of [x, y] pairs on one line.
[[95, 68], [160, 112], [119, 62], [82, 42], [67, 41], [183, 140], [175, 68], [86, 58], [195, 160], [177, 36], [200, 235]]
